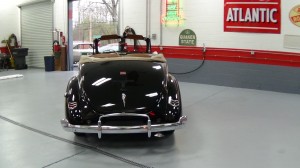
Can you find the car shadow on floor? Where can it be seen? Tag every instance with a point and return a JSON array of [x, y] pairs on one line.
[[127, 141]]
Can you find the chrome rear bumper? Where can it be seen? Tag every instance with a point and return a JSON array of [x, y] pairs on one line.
[[103, 129]]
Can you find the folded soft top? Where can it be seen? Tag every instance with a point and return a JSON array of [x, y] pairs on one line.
[[116, 57]]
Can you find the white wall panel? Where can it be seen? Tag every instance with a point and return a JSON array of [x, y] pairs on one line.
[[61, 15], [155, 21], [292, 41], [9, 19], [133, 14], [205, 18]]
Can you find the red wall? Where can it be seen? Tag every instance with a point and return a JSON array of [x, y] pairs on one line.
[[232, 55]]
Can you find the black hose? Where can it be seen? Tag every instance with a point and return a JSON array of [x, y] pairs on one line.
[[184, 73]]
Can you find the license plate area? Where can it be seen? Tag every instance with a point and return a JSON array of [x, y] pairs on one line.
[[124, 121]]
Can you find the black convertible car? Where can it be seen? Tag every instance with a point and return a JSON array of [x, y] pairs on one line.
[[117, 92]]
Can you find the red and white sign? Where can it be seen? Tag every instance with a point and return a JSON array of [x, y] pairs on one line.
[[257, 16]]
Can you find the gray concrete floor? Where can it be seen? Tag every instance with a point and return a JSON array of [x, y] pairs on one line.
[[227, 128]]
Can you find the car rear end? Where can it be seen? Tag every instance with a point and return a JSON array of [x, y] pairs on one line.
[[123, 97]]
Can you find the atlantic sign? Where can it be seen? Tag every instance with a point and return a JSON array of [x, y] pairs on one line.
[[257, 16]]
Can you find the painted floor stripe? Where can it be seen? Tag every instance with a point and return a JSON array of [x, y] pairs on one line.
[[96, 149]]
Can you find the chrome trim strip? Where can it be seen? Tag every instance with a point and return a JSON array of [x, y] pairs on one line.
[[100, 129]]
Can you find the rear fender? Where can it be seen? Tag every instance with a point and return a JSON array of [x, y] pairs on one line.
[[174, 107], [73, 111]]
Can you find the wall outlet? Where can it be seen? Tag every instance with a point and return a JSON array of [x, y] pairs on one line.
[[153, 36]]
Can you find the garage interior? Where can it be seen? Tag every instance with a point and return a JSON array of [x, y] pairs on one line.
[[242, 111], [227, 127]]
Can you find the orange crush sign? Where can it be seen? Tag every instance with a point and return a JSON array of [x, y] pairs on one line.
[[295, 15], [256, 16]]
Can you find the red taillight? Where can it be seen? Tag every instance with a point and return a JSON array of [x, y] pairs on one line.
[[151, 114], [122, 73]]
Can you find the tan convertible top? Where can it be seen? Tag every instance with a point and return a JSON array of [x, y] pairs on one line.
[[116, 57]]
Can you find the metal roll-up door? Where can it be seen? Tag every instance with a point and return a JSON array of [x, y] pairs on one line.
[[37, 31]]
